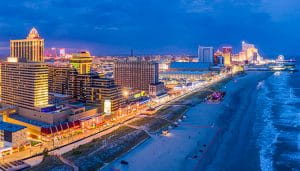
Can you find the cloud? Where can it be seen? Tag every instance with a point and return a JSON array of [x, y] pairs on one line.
[[153, 25]]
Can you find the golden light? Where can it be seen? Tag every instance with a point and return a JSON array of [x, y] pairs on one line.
[[12, 59], [125, 93]]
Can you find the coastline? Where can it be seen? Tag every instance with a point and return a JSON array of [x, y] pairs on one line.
[[195, 141], [186, 103], [236, 119]]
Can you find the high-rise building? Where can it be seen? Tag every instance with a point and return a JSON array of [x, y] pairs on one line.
[[251, 53], [206, 54], [62, 52], [217, 54], [30, 49], [104, 92], [59, 76], [24, 84], [136, 75], [82, 62], [246, 46], [87, 88], [227, 51]]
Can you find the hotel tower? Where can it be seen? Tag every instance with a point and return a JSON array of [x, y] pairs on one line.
[[30, 49], [136, 75], [24, 76]]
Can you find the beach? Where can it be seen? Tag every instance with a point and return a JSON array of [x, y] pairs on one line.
[[211, 136]]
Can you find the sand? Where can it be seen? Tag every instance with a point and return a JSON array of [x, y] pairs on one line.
[[194, 144]]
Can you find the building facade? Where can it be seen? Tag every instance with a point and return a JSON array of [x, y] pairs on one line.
[[136, 75], [24, 84], [59, 76], [30, 49], [104, 92], [14, 134], [157, 89], [206, 54], [227, 52], [82, 62], [87, 88]]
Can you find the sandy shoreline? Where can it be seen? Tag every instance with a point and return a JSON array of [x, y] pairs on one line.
[[192, 145]]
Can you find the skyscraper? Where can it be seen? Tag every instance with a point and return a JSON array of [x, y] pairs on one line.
[[30, 49], [227, 51], [88, 88], [206, 54], [24, 84], [59, 76], [82, 62], [251, 53], [136, 75]]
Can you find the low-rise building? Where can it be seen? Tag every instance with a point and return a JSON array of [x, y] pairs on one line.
[[157, 89], [14, 134], [189, 66]]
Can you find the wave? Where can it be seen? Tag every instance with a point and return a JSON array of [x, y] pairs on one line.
[[268, 135], [279, 119]]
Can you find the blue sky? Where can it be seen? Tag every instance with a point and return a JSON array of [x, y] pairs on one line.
[[154, 26]]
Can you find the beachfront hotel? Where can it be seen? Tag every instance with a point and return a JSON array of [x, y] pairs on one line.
[[82, 62], [77, 81], [24, 84], [30, 49], [227, 52], [205, 54], [25, 88], [136, 74]]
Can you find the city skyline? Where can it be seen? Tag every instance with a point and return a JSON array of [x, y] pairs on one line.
[[152, 28], [101, 85]]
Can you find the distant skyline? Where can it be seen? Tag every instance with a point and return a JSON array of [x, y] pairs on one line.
[[112, 27]]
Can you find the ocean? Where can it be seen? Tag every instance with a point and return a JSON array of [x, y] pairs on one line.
[[261, 125], [277, 123]]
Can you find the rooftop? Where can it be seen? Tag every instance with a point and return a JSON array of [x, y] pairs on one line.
[[30, 121], [33, 34], [189, 65], [10, 127]]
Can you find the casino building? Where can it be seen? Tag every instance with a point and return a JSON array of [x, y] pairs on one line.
[[30, 49]]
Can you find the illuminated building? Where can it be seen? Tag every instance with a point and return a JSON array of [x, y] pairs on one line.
[[235, 57], [227, 51], [26, 87], [242, 56], [82, 62], [24, 84], [251, 53], [217, 54], [14, 134], [136, 75], [188, 75], [205, 54], [92, 89], [246, 46], [62, 52], [220, 60], [163, 66], [104, 92], [157, 89], [30, 49], [59, 76], [87, 88]]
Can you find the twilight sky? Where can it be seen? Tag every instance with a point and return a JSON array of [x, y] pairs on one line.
[[154, 26]]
